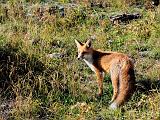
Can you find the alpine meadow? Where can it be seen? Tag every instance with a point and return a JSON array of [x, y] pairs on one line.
[[40, 76]]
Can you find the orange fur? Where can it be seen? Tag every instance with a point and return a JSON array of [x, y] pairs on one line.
[[119, 65]]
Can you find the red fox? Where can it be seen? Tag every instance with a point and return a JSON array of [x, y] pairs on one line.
[[119, 65]]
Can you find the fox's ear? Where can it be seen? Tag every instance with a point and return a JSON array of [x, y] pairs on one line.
[[78, 43], [88, 43]]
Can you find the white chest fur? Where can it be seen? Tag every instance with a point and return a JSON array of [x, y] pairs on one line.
[[90, 65]]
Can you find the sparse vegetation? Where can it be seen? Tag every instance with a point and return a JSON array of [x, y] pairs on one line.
[[40, 77]]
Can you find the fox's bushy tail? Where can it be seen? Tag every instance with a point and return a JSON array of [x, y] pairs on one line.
[[126, 84]]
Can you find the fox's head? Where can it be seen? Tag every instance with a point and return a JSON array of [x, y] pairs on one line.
[[84, 50]]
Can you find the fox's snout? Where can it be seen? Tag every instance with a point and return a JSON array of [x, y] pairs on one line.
[[80, 56]]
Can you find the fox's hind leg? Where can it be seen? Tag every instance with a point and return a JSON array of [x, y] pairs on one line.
[[115, 82]]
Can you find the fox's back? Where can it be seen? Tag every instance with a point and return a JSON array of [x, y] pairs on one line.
[[109, 59]]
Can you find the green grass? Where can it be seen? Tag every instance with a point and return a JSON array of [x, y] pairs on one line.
[[35, 86]]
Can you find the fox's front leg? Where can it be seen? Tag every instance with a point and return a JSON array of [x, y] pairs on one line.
[[100, 77]]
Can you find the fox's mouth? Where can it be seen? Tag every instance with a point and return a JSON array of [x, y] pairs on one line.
[[80, 58]]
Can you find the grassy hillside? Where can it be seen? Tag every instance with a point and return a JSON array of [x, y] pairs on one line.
[[40, 77]]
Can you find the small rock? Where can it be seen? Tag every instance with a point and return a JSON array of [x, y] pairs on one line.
[[99, 118], [144, 53], [125, 17], [55, 55], [93, 37], [110, 41]]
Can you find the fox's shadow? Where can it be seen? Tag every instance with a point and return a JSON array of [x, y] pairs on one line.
[[146, 85]]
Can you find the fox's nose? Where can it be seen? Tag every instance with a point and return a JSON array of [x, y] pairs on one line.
[[78, 58]]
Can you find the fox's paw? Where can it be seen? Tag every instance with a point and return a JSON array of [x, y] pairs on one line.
[[113, 106]]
